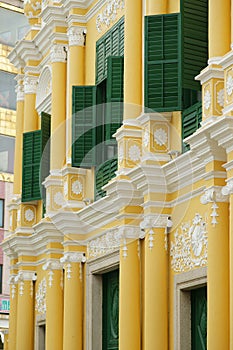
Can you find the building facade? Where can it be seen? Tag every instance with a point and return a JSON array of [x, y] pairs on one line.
[[120, 225], [12, 25]]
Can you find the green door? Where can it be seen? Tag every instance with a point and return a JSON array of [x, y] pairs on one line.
[[199, 318], [111, 310]]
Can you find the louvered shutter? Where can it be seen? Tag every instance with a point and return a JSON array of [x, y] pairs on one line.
[[83, 126], [45, 151], [111, 44], [31, 186], [115, 95], [195, 40], [163, 62], [104, 174], [191, 121]]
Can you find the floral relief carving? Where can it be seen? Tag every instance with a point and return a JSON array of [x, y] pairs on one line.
[[104, 244], [109, 14], [41, 297], [146, 138], [134, 153], [207, 99], [77, 187], [190, 246], [160, 137], [229, 85], [58, 198], [220, 97], [29, 215]]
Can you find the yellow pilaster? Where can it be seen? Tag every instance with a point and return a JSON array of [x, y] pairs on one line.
[[129, 318], [13, 314], [133, 59], [73, 311], [218, 269], [18, 140], [156, 7], [25, 312], [58, 124], [75, 73], [155, 327], [219, 27], [54, 306], [30, 113]]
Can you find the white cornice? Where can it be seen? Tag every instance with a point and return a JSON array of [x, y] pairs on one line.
[[161, 117], [227, 60], [210, 73]]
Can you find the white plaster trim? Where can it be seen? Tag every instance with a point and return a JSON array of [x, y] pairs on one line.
[[30, 84], [76, 36], [210, 73], [58, 53], [183, 283], [94, 269]]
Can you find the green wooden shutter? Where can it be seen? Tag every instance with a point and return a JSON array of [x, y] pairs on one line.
[[104, 174], [31, 189], [199, 318], [110, 311], [45, 153], [111, 44], [163, 62], [83, 126], [115, 95], [191, 121], [194, 39]]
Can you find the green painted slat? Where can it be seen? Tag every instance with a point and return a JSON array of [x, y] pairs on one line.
[[31, 186], [111, 44], [163, 62], [194, 39], [191, 121], [199, 318], [83, 126], [115, 95], [104, 174]]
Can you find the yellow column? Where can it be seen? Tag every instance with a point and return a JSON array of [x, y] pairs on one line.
[[129, 318], [54, 305], [6, 340], [219, 27], [18, 139], [75, 74], [155, 328], [133, 59], [218, 270], [58, 127], [156, 7], [30, 113], [13, 314], [25, 312], [73, 301]]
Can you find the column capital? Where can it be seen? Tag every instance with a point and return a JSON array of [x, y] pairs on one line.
[[19, 92], [77, 36], [73, 257], [30, 84], [25, 276], [58, 53]]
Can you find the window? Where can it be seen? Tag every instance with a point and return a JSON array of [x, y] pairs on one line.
[[191, 121], [36, 160], [7, 149], [7, 90], [1, 212], [13, 26], [176, 50]]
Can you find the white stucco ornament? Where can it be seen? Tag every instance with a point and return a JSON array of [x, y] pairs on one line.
[[220, 97], [41, 297], [229, 85], [109, 14], [146, 138], [58, 198], [134, 153], [190, 247], [207, 99], [65, 188], [77, 187], [29, 215], [120, 153], [160, 137]]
